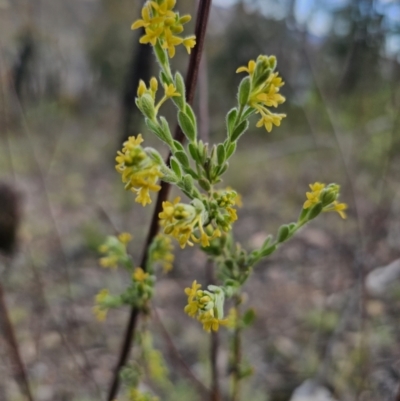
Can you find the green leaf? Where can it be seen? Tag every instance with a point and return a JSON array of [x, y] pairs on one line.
[[268, 251], [154, 127], [315, 211], [283, 233], [189, 111], [164, 78], [154, 154], [188, 184], [194, 152], [166, 130], [146, 106], [221, 154], [231, 150], [204, 184], [187, 126], [176, 167], [182, 158], [249, 111], [221, 170], [244, 91], [239, 130], [178, 146], [230, 120], [180, 87], [249, 317]]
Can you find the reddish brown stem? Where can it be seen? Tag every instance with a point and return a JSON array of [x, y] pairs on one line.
[[191, 80], [15, 356]]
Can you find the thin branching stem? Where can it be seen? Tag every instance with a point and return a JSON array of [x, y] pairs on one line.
[[236, 353], [191, 80], [9, 335]]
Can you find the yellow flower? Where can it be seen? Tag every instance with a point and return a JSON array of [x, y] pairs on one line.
[[313, 196], [139, 275], [170, 91], [249, 69], [109, 261], [125, 238], [192, 291], [191, 308], [210, 322], [337, 207], [165, 9], [161, 252], [170, 42], [99, 310], [99, 313], [189, 43], [265, 86], [139, 172], [162, 24], [168, 210], [269, 119]]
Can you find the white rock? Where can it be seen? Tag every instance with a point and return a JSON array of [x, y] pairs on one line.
[[379, 280], [310, 390]]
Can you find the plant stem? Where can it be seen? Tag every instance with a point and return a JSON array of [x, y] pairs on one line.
[[237, 353], [15, 356], [214, 344], [191, 80]]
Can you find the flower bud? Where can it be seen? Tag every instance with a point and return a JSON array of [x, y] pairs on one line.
[[146, 106]]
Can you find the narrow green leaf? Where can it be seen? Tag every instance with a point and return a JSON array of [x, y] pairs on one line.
[[180, 87], [231, 150], [230, 120], [239, 130], [194, 152], [244, 91], [221, 154], [176, 167], [182, 158], [187, 126]]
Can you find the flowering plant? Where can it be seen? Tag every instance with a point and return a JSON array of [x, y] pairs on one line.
[[207, 216]]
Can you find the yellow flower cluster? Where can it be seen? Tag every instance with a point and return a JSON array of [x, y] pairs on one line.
[[139, 275], [226, 200], [100, 310], [265, 87], [327, 195], [203, 304], [115, 251], [139, 172], [161, 252], [162, 24], [181, 220]]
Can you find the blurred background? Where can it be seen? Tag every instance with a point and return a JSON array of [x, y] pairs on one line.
[[327, 303]]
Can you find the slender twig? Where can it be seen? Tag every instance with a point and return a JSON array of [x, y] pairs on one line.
[[191, 80], [214, 345], [237, 354], [174, 352], [15, 356], [204, 134]]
